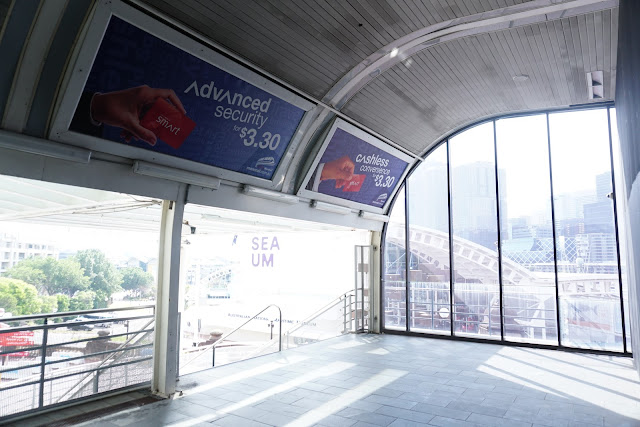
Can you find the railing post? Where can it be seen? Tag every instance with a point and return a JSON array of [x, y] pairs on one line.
[[490, 319], [96, 382], [213, 357], [344, 315], [280, 331], [43, 360], [433, 294], [351, 314]]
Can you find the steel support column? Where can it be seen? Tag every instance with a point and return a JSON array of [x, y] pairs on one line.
[[165, 362]]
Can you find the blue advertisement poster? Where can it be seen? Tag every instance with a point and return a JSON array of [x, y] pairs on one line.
[[355, 170], [147, 93]]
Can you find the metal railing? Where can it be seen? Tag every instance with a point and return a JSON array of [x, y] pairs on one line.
[[346, 300], [51, 359], [348, 320], [213, 346]]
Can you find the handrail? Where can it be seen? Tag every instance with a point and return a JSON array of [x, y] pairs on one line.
[[321, 311], [67, 324], [112, 357], [224, 337], [74, 313]]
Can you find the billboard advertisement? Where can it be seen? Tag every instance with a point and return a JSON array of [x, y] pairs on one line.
[[145, 92], [356, 167]]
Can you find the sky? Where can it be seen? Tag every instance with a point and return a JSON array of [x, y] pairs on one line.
[[116, 244], [579, 149]]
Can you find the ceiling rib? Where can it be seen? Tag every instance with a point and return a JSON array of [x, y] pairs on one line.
[[412, 43]]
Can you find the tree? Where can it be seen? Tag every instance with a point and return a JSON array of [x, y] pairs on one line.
[[69, 278], [51, 276], [83, 300], [22, 297], [63, 303], [104, 279], [136, 278], [8, 302], [48, 304], [31, 271]]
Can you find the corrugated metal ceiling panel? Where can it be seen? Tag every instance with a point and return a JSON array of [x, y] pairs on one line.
[[313, 43], [458, 82]]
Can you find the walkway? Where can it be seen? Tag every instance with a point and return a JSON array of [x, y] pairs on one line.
[[385, 380]]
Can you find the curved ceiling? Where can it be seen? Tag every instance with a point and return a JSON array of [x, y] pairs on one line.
[[415, 71], [312, 44], [407, 71]]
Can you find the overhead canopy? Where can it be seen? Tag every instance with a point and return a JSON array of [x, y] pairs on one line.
[[25, 200]]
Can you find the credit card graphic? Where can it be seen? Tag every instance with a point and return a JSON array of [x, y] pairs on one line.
[[167, 123], [354, 184]]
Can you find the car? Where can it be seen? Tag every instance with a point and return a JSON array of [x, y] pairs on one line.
[[80, 327], [107, 319]]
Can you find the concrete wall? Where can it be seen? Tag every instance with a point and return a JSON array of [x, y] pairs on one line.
[[628, 118]]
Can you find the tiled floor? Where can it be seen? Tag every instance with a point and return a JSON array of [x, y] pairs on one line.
[[385, 380]]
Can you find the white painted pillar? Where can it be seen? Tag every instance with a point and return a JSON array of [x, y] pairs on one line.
[[166, 350], [376, 285]]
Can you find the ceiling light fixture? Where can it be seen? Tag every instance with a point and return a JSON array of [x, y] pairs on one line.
[[31, 145], [394, 52], [520, 78], [172, 174], [328, 207], [373, 216], [270, 195]]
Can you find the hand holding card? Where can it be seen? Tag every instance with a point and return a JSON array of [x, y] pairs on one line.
[[167, 123], [124, 108], [354, 184]]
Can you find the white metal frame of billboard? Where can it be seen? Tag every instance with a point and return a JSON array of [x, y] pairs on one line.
[[376, 142], [82, 63]]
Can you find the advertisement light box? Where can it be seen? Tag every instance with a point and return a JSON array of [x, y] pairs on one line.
[[141, 90], [355, 169]]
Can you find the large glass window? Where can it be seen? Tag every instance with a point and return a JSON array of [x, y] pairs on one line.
[[588, 280], [253, 274], [475, 232], [533, 251], [77, 292], [394, 268], [621, 200], [529, 303], [429, 289]]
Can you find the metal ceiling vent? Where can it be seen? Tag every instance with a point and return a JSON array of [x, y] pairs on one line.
[[595, 84]]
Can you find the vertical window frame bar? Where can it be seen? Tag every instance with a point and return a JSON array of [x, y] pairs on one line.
[[451, 267], [407, 259], [553, 231], [499, 248], [615, 224]]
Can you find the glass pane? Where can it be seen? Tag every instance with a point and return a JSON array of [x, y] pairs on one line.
[[99, 251], [475, 232], [528, 282], [242, 271], [394, 271], [621, 202], [429, 245], [585, 235]]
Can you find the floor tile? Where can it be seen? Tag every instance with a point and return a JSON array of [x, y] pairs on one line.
[[422, 382]]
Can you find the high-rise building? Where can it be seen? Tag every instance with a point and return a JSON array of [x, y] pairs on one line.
[[475, 214], [14, 249]]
